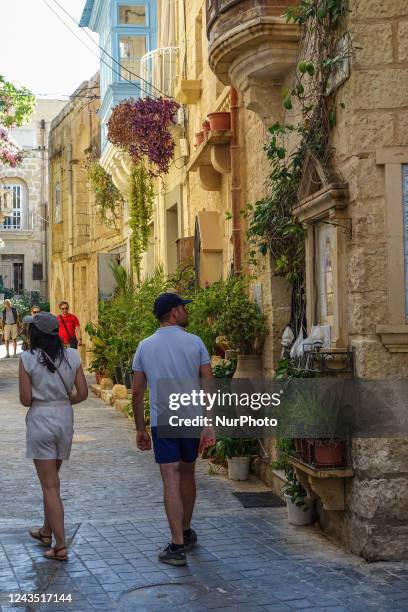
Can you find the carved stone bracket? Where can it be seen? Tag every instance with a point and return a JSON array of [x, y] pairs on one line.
[[212, 159], [327, 484]]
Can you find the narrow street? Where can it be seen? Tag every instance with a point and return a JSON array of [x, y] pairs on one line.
[[248, 559]]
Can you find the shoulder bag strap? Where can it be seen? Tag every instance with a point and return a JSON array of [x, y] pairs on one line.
[[64, 324], [57, 371]]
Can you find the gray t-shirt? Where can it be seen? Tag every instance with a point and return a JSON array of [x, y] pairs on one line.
[[170, 353], [47, 386], [9, 316]]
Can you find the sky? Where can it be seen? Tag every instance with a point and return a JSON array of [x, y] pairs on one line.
[[38, 51]]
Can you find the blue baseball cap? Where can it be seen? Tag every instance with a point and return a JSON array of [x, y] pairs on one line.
[[166, 301]]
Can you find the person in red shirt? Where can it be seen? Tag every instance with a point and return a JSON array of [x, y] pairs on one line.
[[69, 328]]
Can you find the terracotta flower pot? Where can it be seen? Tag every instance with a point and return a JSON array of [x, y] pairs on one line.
[[220, 121], [206, 129], [329, 452], [199, 138]]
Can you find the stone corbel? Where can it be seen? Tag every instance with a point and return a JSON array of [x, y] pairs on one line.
[[188, 91], [209, 178], [212, 159], [221, 159], [326, 484]]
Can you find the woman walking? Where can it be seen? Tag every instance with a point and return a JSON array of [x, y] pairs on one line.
[[51, 380]]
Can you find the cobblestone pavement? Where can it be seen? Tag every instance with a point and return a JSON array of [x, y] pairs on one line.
[[248, 559]]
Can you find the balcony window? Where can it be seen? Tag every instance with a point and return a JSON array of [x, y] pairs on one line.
[[14, 221], [57, 204], [132, 14], [131, 49]]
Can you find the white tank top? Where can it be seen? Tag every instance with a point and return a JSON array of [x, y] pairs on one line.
[[47, 386]]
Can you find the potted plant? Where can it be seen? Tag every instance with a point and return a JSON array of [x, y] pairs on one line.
[[238, 452], [220, 121], [142, 128], [242, 323], [299, 505], [206, 129], [199, 138]]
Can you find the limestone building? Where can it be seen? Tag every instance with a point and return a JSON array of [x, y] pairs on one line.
[[237, 58], [24, 258], [82, 246]]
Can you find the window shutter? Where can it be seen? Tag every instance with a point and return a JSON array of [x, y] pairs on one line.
[[37, 271]]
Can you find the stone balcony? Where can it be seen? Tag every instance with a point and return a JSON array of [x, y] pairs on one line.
[[252, 48]]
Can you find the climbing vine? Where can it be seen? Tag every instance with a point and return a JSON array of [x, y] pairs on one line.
[[141, 201], [109, 200], [273, 227]]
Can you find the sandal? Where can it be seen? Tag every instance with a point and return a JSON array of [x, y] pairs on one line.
[[45, 540], [53, 554]]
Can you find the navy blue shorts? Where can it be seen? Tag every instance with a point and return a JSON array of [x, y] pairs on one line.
[[172, 450]]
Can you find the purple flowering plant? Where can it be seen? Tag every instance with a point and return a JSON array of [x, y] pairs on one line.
[[142, 128]]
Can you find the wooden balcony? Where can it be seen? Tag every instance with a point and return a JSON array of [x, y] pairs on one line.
[[252, 48]]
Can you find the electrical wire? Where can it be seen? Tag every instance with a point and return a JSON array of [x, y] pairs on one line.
[[106, 52], [138, 86]]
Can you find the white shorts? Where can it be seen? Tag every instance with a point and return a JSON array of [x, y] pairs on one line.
[[10, 332]]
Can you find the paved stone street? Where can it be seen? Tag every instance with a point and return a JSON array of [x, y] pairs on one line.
[[248, 559]]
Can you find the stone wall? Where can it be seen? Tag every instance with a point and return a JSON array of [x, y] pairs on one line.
[[373, 119], [81, 235]]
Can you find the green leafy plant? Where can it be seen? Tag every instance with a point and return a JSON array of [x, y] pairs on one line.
[[109, 200], [273, 228], [241, 321], [285, 447], [16, 104], [296, 491], [141, 201], [225, 368], [236, 447], [123, 321]]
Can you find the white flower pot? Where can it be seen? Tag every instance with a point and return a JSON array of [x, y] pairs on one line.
[[238, 468], [299, 515]]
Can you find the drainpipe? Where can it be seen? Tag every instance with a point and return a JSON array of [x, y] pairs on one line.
[[236, 184], [70, 227], [43, 213]]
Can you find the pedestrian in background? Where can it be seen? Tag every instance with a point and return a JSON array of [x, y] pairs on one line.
[[10, 321], [171, 353], [25, 332], [69, 327], [51, 379]]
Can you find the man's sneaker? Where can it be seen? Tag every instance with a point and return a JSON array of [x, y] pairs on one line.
[[190, 540], [173, 557]]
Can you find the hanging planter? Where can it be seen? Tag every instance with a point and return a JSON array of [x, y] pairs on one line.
[[142, 128], [220, 121]]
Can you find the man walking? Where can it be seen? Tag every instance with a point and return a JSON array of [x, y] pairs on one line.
[[69, 327], [10, 327], [171, 353]]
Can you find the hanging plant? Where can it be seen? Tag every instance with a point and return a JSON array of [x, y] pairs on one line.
[[273, 227], [141, 201], [109, 200], [142, 128]]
